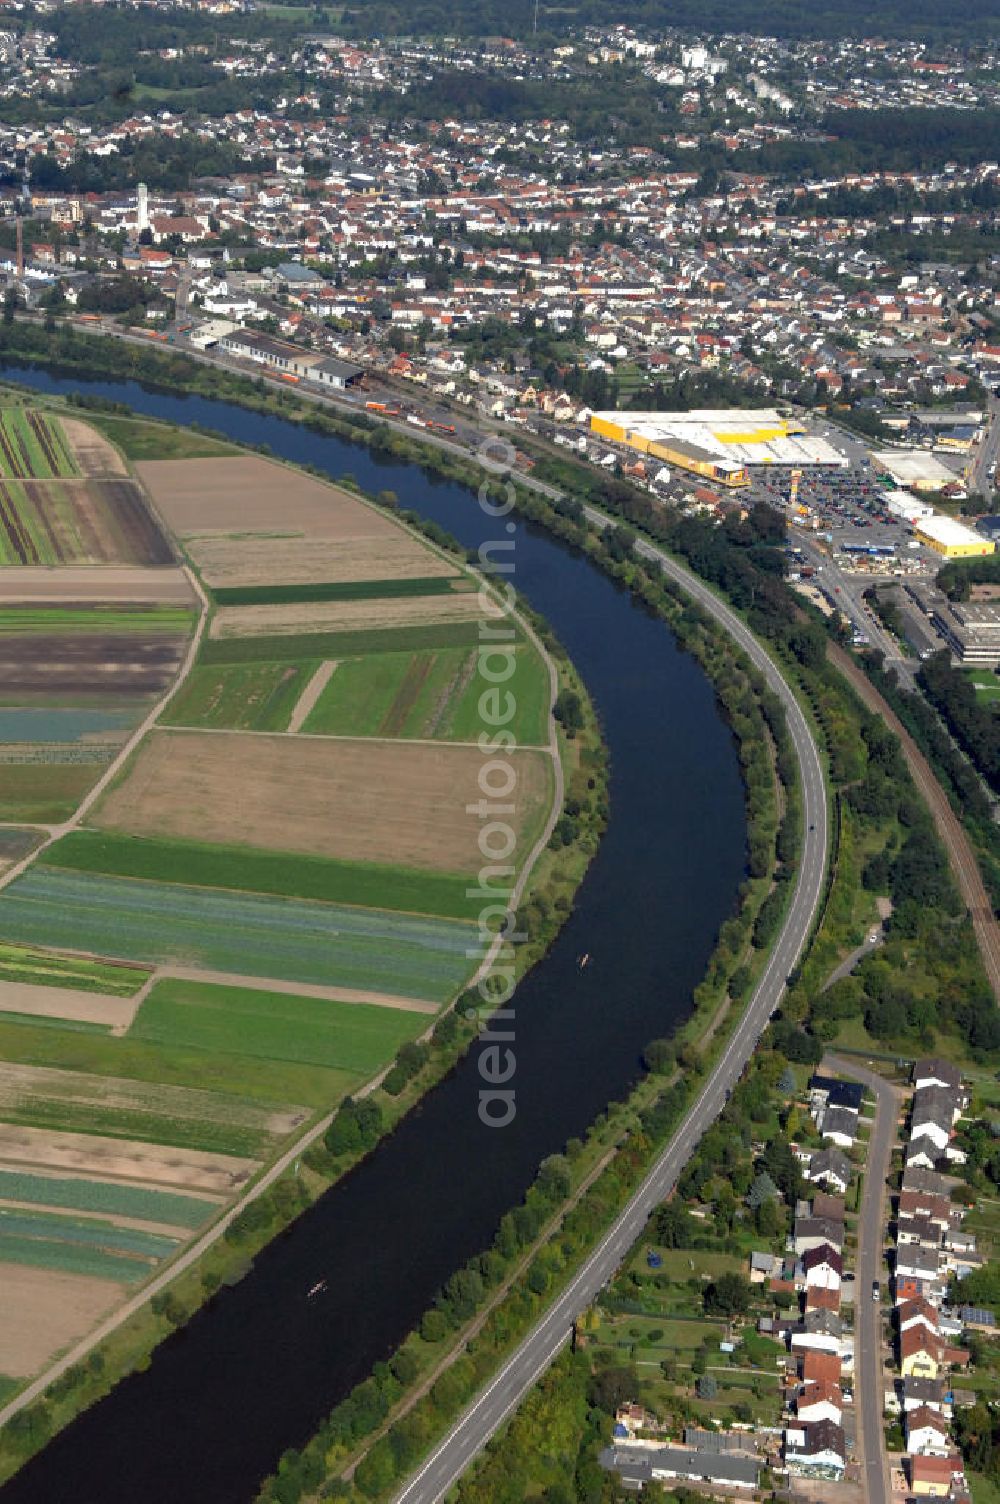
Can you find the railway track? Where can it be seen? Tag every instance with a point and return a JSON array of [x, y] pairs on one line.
[[949, 828]]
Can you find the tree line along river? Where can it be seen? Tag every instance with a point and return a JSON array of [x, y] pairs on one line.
[[256, 1370]]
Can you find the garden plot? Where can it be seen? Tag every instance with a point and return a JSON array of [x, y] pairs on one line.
[[64, 655], [346, 616], [42, 1312], [360, 800], [249, 521], [150, 1164]]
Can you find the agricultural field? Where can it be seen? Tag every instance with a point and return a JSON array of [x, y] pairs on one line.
[[34, 445], [225, 512], [239, 697], [274, 1025], [74, 522], [43, 1311], [283, 874], [346, 616], [64, 499], [273, 893], [429, 694], [167, 1208], [356, 800], [240, 934]]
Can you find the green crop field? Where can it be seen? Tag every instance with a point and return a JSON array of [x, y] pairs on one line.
[[70, 1258], [168, 1207], [239, 933], [86, 1232], [42, 968], [8, 1387], [143, 621], [33, 445], [339, 590], [273, 1025], [39, 793], [58, 1114], [297, 646], [230, 1083], [283, 875], [240, 697], [430, 694]]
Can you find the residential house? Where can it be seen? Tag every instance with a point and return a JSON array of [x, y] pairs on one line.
[[926, 1433], [839, 1125], [937, 1477], [818, 1450], [830, 1167], [817, 1232], [820, 1401], [916, 1393], [933, 1071], [823, 1267]]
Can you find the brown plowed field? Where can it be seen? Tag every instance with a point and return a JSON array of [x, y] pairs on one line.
[[393, 802], [113, 584], [956, 842], [91, 450], [42, 1311], [250, 521], [90, 663], [122, 1159]]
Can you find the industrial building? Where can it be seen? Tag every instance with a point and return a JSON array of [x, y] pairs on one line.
[[917, 468], [291, 361], [971, 629], [719, 443], [951, 539]]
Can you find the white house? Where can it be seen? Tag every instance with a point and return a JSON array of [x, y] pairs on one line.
[[926, 1433]]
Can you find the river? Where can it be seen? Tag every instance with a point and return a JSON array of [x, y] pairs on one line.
[[254, 1371]]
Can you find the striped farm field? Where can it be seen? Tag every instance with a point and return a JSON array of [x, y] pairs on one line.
[[86, 1232], [71, 1258], [288, 939], [36, 1096], [430, 694], [55, 522], [78, 1194], [33, 445], [43, 968], [243, 869]]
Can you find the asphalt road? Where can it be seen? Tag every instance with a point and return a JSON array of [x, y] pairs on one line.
[[869, 1382], [491, 1408]]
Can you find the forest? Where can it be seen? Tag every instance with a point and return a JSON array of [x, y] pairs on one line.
[[782, 18]]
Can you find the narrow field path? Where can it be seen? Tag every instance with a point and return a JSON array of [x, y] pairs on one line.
[[949, 828], [292, 989], [307, 699]]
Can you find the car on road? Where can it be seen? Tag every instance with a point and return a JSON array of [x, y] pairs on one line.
[[876, 1291]]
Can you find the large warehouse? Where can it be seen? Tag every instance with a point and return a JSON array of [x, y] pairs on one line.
[[719, 443], [952, 539]]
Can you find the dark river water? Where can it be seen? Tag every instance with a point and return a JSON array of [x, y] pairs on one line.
[[254, 1372]]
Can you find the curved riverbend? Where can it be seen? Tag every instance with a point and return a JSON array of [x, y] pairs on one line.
[[255, 1371]]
